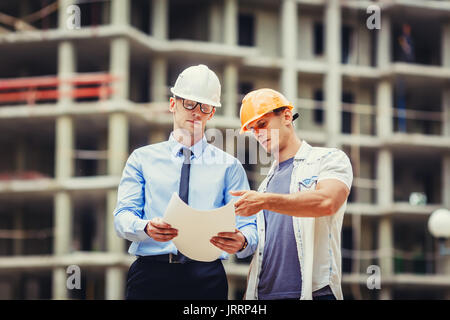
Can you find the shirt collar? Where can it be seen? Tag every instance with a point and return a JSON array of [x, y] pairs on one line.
[[303, 151], [197, 149], [301, 154]]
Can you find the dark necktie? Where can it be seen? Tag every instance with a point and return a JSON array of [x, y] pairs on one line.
[[185, 171], [184, 188]]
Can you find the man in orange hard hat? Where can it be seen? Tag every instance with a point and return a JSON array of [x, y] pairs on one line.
[[299, 206]]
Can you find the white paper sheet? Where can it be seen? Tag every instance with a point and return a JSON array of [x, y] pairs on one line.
[[197, 227]]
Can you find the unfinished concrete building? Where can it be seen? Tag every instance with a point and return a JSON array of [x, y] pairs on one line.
[[75, 102]]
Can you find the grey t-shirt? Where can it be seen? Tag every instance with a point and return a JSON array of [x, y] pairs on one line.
[[280, 272], [280, 276]]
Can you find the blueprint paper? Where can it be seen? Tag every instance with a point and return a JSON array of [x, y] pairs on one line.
[[197, 227]]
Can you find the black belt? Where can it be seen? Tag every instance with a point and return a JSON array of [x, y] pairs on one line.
[[168, 258]]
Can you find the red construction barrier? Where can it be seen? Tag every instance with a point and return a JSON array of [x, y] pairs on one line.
[[32, 89], [25, 175]]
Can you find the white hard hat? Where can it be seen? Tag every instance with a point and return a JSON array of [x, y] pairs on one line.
[[198, 83]]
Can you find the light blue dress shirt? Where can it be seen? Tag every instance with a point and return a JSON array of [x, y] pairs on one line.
[[152, 174]]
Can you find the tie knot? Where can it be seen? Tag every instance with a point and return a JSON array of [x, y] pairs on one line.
[[186, 153]]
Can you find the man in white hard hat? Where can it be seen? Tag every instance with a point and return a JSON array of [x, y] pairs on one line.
[[202, 175], [299, 206]]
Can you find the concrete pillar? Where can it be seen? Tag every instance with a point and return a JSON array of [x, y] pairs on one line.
[[118, 124], [117, 155], [384, 42], [446, 132], [215, 22], [333, 32], [230, 22], [64, 163], [444, 261], [446, 111], [120, 12], [62, 208], [62, 240], [384, 161], [62, 12], [384, 87], [385, 178], [63, 223], [385, 247], [333, 81], [119, 66], [289, 23], [158, 64], [384, 108], [160, 13], [362, 42], [305, 50], [385, 234], [66, 69], [230, 71], [64, 147], [446, 181], [115, 276], [117, 145], [158, 84], [230, 90], [446, 45], [366, 241]]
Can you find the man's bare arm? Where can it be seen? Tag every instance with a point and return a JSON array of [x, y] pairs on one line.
[[325, 200]]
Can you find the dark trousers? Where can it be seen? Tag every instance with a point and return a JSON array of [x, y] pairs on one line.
[[155, 280], [325, 297]]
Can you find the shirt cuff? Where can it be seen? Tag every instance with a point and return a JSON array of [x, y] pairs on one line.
[[140, 226], [248, 250]]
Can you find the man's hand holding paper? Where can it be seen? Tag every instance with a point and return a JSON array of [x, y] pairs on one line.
[[160, 231], [230, 242], [202, 235]]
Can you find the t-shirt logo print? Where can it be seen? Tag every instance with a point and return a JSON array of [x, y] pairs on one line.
[[307, 183]]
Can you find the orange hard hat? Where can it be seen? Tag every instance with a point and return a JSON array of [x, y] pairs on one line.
[[259, 102]]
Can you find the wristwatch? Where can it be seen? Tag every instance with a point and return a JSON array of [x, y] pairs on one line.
[[245, 244]]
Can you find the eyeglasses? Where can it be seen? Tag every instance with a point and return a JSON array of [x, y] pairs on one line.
[[191, 105]]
